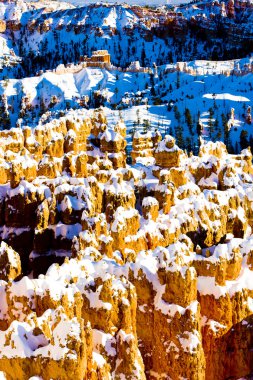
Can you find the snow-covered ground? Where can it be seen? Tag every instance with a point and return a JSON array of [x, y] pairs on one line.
[[140, 102], [49, 33], [62, 34]]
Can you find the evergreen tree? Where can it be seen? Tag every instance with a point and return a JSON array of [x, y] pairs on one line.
[[143, 57], [210, 122], [179, 136], [146, 125], [230, 147], [138, 118], [225, 128], [251, 143], [178, 80], [116, 92], [188, 143], [244, 140], [188, 119], [152, 91], [199, 128], [177, 114], [135, 124]]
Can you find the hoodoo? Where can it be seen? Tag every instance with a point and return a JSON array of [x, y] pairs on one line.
[[126, 190]]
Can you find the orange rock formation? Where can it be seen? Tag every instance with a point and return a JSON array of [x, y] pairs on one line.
[[135, 272]]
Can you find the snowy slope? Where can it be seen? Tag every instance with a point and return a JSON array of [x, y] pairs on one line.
[[46, 35], [12, 11], [132, 94]]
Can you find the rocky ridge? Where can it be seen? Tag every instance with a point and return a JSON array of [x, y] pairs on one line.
[[151, 271], [56, 34]]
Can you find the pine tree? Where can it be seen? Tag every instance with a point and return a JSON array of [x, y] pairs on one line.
[[188, 119], [199, 128], [251, 143], [138, 117], [188, 143], [146, 125], [143, 57], [178, 80], [230, 147], [152, 91], [244, 140], [116, 92], [225, 127], [210, 122], [177, 114], [179, 137], [135, 124]]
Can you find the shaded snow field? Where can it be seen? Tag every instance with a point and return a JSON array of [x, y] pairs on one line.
[[198, 93]]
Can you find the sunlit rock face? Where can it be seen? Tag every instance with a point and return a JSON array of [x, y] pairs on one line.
[[134, 272]]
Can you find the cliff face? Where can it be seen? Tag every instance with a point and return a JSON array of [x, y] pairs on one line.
[[151, 273], [46, 28]]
